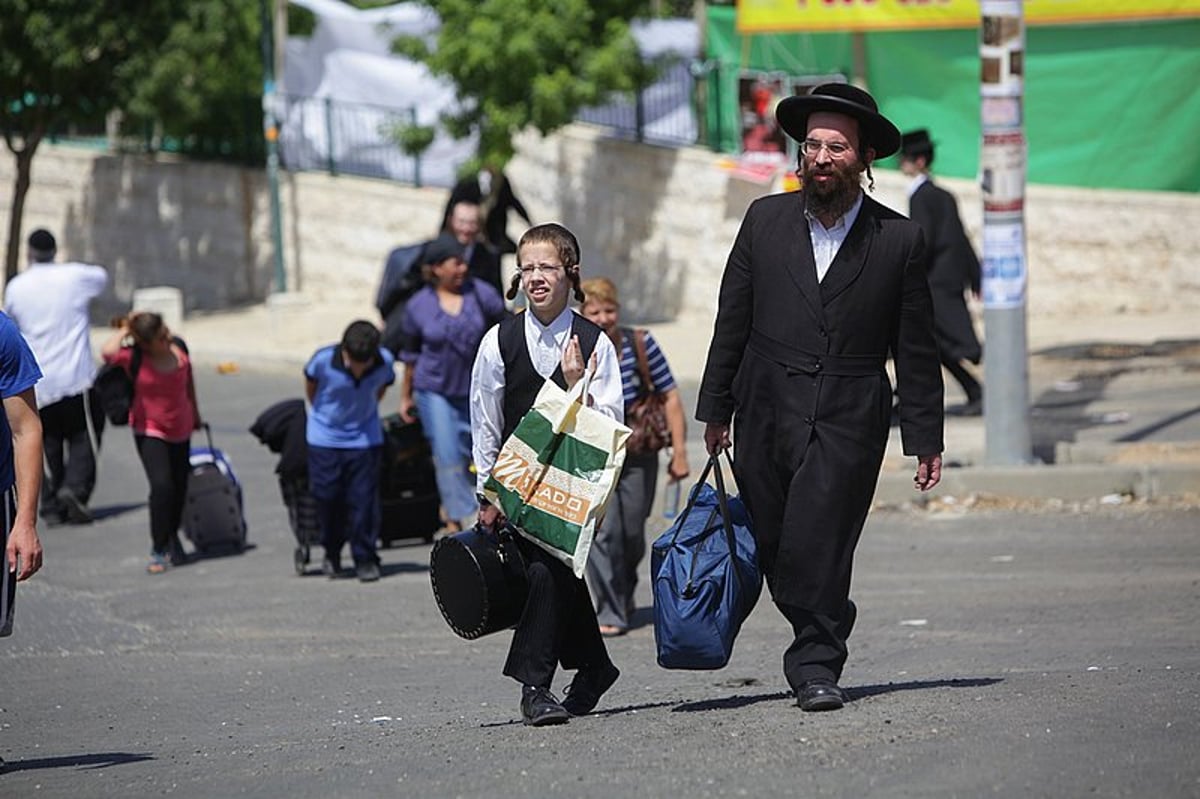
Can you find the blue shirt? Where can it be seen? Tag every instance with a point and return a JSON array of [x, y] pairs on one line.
[[442, 347], [18, 372], [345, 411], [631, 379]]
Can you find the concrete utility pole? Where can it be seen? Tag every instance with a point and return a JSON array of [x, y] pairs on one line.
[[271, 135], [1002, 165]]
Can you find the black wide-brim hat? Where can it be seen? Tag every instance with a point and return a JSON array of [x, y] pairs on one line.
[[877, 131]]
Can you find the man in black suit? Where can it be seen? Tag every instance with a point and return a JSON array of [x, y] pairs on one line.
[[483, 261], [821, 286], [953, 268], [493, 192]]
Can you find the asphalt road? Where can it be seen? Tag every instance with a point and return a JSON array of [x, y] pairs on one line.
[[1049, 652]]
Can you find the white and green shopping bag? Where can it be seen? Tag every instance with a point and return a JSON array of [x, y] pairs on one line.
[[553, 476]]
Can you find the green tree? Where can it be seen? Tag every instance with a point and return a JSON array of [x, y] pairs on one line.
[[200, 85], [66, 62], [517, 63]]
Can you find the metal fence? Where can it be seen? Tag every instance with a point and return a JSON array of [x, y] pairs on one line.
[[662, 113], [322, 134], [326, 135]]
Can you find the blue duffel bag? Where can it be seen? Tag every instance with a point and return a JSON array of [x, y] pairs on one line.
[[706, 577]]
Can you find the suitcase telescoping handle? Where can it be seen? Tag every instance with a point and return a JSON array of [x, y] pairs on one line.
[[208, 435]]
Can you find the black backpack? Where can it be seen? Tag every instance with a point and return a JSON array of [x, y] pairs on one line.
[[114, 385]]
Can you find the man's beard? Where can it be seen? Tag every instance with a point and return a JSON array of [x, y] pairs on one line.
[[834, 197]]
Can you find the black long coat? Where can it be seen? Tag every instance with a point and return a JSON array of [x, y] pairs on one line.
[[953, 268], [799, 369]]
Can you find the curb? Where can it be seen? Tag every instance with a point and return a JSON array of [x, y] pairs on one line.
[[1065, 482]]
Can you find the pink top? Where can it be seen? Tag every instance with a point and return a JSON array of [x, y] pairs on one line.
[[163, 405]]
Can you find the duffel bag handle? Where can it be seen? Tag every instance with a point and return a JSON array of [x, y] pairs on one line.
[[713, 465]]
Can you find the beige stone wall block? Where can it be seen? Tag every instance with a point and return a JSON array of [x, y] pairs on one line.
[[658, 221]]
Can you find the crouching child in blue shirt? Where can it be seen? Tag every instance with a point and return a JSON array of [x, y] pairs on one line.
[[344, 383]]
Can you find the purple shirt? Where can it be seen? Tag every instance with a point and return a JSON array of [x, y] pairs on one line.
[[443, 346]]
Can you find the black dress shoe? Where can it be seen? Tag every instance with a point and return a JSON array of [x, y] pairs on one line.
[[972, 408], [73, 508], [539, 707], [586, 689], [820, 694]]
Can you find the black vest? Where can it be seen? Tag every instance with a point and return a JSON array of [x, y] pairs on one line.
[[521, 381]]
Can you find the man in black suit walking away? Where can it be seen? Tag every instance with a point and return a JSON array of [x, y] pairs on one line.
[[953, 268], [821, 286], [492, 191]]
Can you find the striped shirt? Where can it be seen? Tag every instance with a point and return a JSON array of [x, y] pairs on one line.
[[631, 380]]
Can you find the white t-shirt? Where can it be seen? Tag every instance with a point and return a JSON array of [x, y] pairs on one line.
[[49, 303]]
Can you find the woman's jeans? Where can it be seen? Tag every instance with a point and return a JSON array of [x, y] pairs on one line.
[[447, 424]]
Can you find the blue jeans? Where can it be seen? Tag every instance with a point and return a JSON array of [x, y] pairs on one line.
[[447, 424]]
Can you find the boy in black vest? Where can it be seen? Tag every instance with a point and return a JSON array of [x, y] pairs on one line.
[[516, 357]]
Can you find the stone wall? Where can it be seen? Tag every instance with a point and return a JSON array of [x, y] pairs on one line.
[[659, 221]]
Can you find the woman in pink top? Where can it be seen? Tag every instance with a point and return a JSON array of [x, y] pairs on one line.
[[163, 415]]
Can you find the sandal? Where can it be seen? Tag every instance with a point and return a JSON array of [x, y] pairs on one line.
[[158, 563]]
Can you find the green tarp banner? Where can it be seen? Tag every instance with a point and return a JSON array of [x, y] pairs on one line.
[[1106, 106]]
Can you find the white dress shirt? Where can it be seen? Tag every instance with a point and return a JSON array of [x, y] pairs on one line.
[[546, 344], [49, 303], [827, 241], [920, 180]]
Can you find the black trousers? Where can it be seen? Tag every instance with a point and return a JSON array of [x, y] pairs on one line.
[[167, 468], [558, 624], [818, 650], [969, 384], [69, 455]]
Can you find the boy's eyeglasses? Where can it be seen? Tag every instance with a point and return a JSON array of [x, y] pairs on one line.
[[543, 269]]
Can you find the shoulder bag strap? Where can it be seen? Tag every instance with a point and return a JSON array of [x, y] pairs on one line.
[[643, 364]]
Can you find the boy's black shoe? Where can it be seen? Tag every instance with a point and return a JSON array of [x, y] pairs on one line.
[[539, 707], [331, 566], [589, 685], [367, 571]]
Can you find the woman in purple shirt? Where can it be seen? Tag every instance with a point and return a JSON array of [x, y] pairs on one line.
[[443, 325]]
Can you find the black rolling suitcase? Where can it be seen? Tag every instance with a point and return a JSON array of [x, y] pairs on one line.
[[303, 518], [282, 427], [212, 513], [408, 494]]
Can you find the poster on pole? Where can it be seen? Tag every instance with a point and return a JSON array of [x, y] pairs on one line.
[[1002, 49], [1002, 172], [1004, 271]]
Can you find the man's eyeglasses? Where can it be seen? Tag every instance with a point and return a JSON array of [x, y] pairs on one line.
[[542, 269], [811, 147]]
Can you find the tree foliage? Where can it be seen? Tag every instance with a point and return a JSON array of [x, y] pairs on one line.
[[190, 72], [202, 80], [66, 62], [517, 63]]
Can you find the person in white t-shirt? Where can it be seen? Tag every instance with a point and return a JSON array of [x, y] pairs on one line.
[[49, 302]]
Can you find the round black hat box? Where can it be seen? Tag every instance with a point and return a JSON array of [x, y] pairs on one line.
[[479, 582]]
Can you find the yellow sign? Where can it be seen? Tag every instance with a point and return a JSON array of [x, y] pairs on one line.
[[773, 16]]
